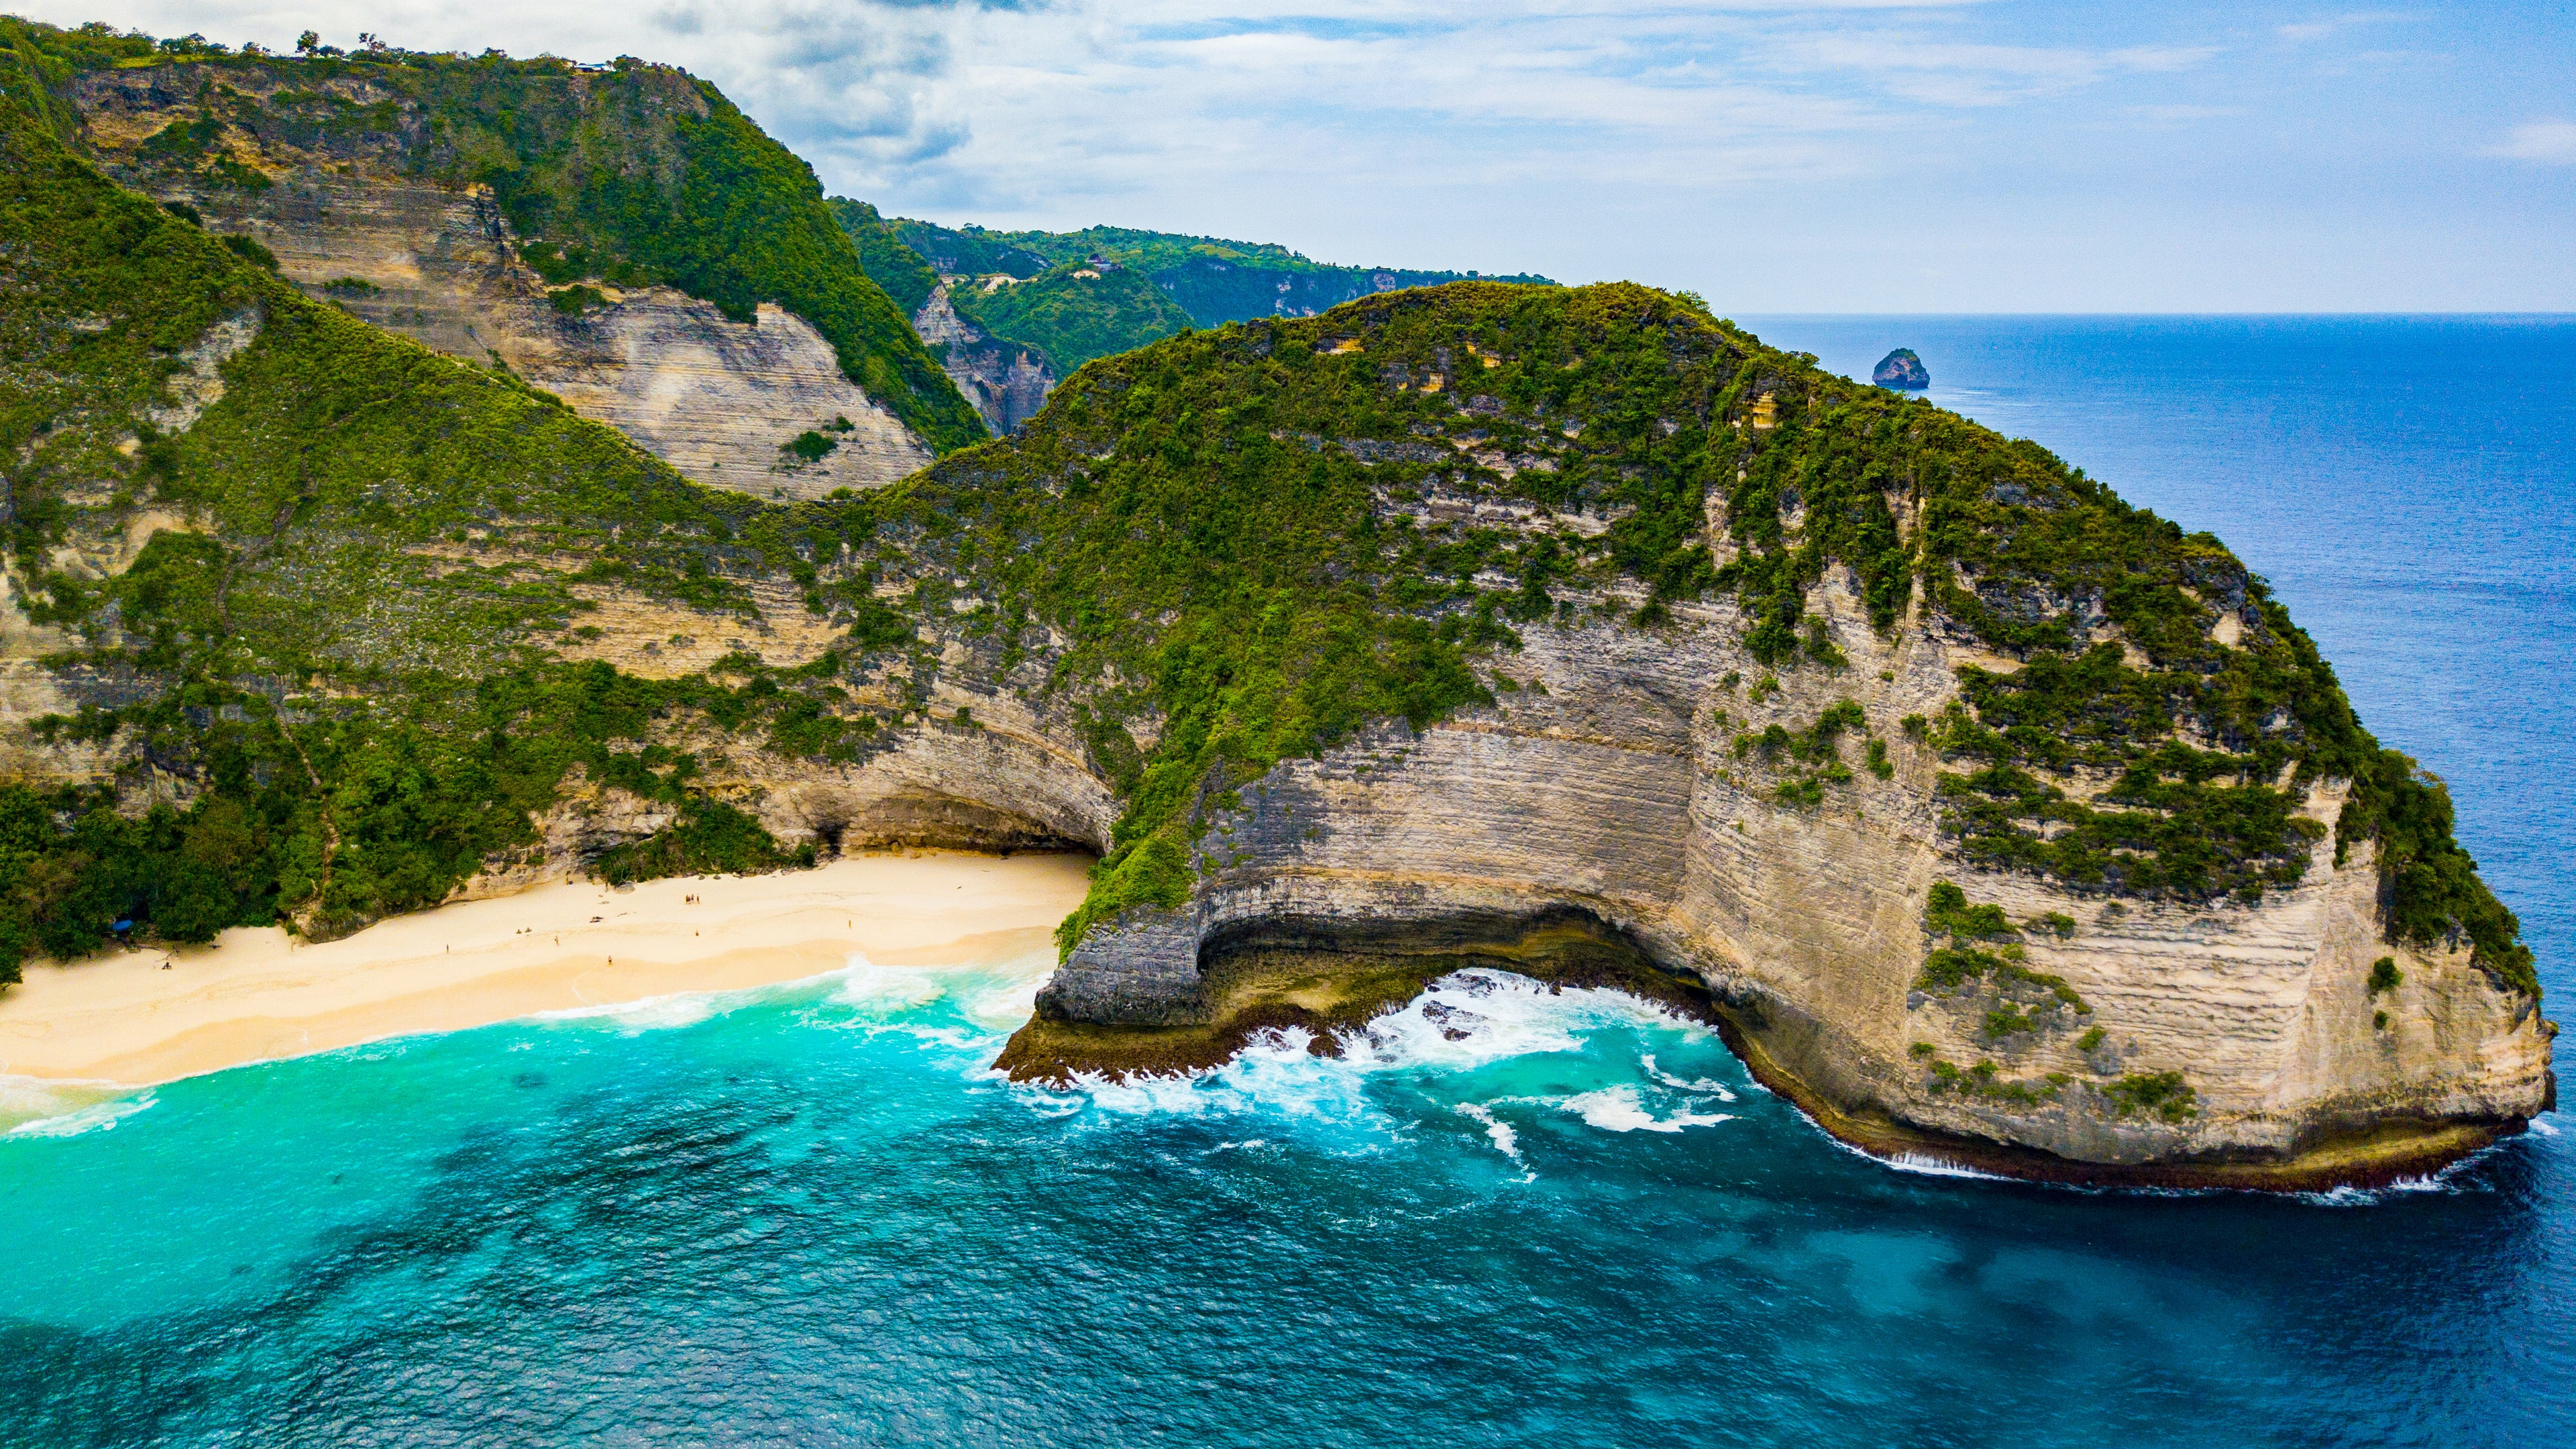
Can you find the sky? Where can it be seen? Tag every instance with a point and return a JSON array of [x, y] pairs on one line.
[[1846, 156]]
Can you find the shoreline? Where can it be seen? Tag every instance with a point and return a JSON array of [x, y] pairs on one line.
[[152, 1015], [2392, 1153]]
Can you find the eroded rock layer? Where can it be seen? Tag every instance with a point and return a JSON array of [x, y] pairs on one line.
[[1005, 382], [351, 218], [1807, 927]]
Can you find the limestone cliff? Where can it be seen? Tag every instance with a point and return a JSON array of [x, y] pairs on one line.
[[2194, 963], [1565, 627], [1617, 794], [1007, 382], [343, 175]]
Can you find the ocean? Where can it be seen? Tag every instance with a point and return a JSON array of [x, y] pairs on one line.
[[807, 1214]]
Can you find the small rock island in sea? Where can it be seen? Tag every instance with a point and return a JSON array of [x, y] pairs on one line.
[[1901, 370]]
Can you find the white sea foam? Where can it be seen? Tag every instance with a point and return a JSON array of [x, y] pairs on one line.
[[1505, 1140], [1620, 1109], [651, 1013], [96, 1117], [1461, 1023], [1274, 1074], [1470, 1018], [1707, 1085], [1926, 1165], [1004, 1003], [32, 1099], [2447, 1180], [885, 989]]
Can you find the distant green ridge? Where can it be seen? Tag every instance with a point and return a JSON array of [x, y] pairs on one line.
[[1214, 280], [892, 265]]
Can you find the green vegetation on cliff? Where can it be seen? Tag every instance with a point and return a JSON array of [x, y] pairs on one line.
[[636, 175], [336, 677], [1074, 314], [2041, 563], [1152, 491], [1983, 946], [1212, 280]]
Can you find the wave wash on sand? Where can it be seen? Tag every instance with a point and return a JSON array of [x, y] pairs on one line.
[[153, 1015]]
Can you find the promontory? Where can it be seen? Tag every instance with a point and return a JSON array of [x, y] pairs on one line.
[[1572, 629]]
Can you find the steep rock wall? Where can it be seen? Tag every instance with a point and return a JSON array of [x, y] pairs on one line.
[[715, 398], [1007, 384], [1613, 794]]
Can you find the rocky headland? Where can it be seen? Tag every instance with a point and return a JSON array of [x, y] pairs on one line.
[[1569, 630]]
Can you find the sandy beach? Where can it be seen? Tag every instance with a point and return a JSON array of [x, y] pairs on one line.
[[152, 1015]]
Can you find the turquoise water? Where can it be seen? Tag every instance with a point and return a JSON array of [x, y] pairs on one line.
[[807, 1215]]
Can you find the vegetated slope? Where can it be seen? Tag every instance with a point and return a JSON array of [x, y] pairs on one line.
[[1255, 540], [316, 591], [634, 175], [1069, 297], [1073, 313], [306, 591], [1215, 281], [893, 266]]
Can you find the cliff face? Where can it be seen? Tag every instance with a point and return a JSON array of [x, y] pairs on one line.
[[1568, 628], [331, 173], [1005, 381], [2047, 856], [1618, 794]]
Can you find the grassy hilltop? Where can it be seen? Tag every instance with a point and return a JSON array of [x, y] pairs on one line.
[[328, 636]]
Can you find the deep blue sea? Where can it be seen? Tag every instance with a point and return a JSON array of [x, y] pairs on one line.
[[806, 1215]]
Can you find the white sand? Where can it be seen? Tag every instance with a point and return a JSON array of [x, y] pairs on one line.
[[257, 995]]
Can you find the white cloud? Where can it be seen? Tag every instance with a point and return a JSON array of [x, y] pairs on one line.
[[2299, 32], [1788, 154], [1030, 108], [2550, 141], [1953, 74]]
